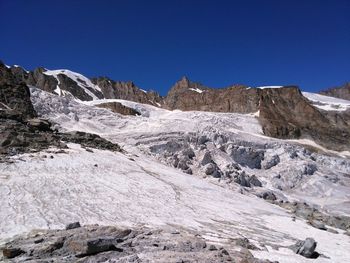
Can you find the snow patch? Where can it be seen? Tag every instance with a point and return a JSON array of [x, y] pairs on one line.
[[197, 90]]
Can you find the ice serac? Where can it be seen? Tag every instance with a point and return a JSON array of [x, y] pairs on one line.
[[126, 91], [187, 95], [342, 92]]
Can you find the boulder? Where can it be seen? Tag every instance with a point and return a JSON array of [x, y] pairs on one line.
[[82, 248], [271, 162], [267, 195], [306, 248], [247, 181], [73, 225], [39, 124], [317, 224], [207, 158], [253, 180], [10, 252]]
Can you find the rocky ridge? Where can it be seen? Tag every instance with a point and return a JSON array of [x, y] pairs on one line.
[[283, 112]]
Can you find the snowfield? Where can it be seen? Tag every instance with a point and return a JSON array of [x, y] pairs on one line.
[[140, 187], [327, 103]]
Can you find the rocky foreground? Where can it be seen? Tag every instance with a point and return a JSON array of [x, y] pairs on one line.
[[94, 243]]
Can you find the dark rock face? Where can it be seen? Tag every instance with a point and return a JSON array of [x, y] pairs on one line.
[[95, 243], [342, 92], [187, 95], [118, 108], [14, 95], [126, 91]]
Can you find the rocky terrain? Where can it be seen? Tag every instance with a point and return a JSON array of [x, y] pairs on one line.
[[94, 243], [244, 181]]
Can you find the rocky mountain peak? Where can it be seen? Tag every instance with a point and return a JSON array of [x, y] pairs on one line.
[[184, 81]]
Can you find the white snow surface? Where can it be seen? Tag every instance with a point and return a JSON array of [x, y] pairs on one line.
[[327, 103], [137, 189], [81, 80]]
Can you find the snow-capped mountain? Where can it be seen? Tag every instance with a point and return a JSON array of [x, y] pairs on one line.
[[210, 183]]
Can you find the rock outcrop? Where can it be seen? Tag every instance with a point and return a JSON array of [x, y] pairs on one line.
[[342, 92], [118, 108], [93, 243], [306, 248], [126, 91]]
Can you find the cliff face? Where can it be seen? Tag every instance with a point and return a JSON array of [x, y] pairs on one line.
[[342, 92], [126, 91], [187, 95], [286, 113]]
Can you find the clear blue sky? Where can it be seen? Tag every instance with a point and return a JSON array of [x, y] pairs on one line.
[[154, 43]]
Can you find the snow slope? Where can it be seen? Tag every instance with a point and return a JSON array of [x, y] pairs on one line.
[[38, 192], [327, 103]]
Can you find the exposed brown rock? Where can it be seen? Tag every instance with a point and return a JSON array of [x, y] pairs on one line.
[[118, 108], [126, 91], [184, 95]]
